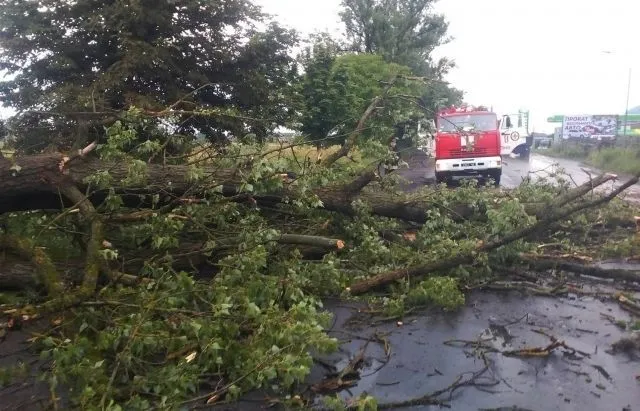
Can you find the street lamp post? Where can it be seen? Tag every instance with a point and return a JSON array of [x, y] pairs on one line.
[[626, 110]]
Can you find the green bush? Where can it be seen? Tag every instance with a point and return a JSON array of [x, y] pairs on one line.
[[616, 159], [571, 151]]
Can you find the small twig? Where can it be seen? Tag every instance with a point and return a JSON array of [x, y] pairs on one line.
[[225, 388], [382, 384], [517, 321], [382, 339], [602, 371]]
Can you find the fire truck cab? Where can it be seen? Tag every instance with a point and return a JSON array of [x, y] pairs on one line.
[[467, 145]]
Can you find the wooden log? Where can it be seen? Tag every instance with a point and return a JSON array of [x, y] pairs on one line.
[[18, 276], [582, 269]]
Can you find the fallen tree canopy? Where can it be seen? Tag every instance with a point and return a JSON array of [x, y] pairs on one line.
[[56, 181], [555, 214], [219, 256]]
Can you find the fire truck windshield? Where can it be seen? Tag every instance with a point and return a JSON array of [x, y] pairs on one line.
[[476, 122]]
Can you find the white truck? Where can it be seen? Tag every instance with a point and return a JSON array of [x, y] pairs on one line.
[[516, 139]]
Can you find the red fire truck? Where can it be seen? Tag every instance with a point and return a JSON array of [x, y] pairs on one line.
[[467, 145]]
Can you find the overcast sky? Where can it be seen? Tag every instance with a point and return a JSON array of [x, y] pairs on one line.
[[543, 55]]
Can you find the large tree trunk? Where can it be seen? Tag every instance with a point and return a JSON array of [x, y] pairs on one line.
[[18, 275], [36, 182], [26, 250], [54, 181]]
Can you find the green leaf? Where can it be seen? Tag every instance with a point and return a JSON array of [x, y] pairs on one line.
[[196, 327]]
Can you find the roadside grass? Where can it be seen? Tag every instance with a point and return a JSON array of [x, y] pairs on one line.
[[300, 151], [572, 152], [616, 159], [269, 150], [624, 160]]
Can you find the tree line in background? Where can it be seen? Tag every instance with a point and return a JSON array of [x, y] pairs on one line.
[[225, 69]]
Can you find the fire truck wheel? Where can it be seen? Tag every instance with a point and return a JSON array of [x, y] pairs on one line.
[[441, 178], [496, 178]]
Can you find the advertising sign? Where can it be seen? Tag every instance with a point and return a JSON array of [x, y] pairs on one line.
[[588, 127]]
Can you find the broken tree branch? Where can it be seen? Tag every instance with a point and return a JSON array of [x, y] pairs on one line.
[[356, 186], [33, 185], [583, 189], [582, 269], [312, 240], [468, 258], [541, 210], [353, 137], [628, 304], [94, 261]]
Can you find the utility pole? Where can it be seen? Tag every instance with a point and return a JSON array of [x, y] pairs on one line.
[[626, 110]]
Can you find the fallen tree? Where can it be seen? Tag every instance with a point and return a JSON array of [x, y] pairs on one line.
[[35, 183], [177, 274], [57, 181], [148, 255]]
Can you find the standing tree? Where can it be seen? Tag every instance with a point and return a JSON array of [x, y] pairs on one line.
[[338, 89], [404, 32], [75, 66], [321, 105]]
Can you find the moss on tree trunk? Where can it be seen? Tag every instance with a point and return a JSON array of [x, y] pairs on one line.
[[27, 250]]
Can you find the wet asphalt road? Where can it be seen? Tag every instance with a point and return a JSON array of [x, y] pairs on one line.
[[540, 165], [430, 351], [421, 172], [423, 360]]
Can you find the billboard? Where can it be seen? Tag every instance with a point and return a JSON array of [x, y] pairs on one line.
[[588, 127]]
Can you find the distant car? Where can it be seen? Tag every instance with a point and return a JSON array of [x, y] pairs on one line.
[[591, 129], [543, 143]]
